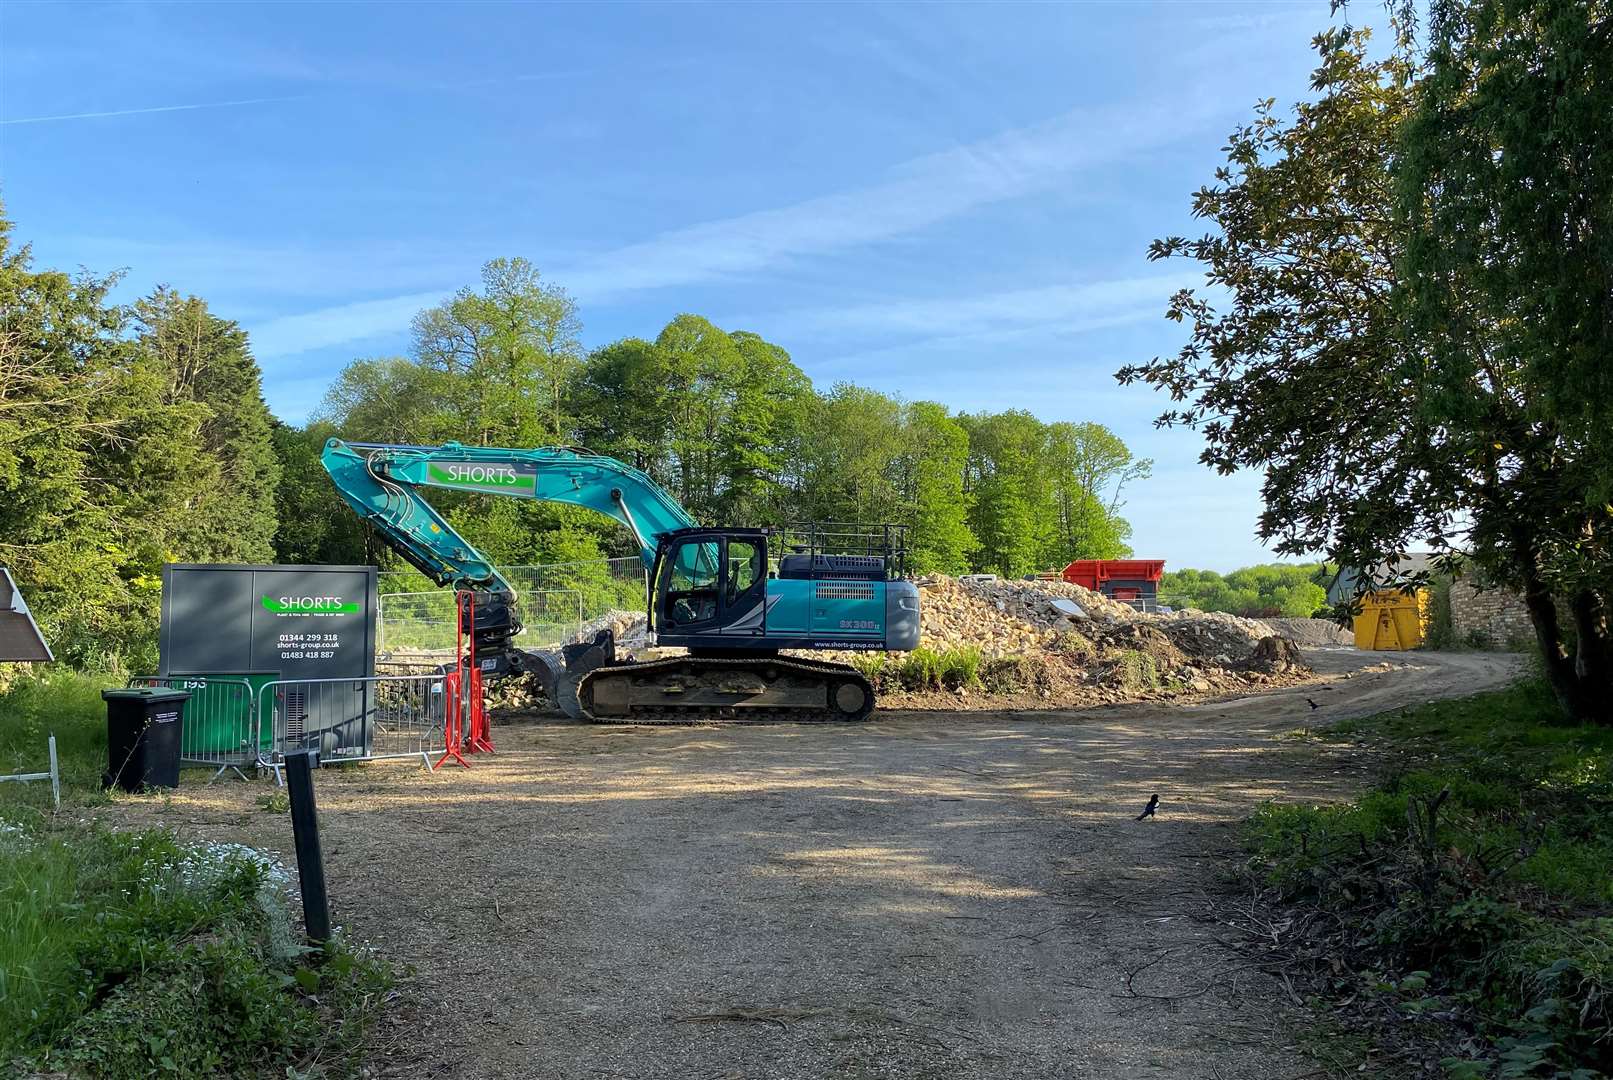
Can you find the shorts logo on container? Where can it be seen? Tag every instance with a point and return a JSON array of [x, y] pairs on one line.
[[308, 605]]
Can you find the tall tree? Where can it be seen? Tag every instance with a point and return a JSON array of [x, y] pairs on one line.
[[99, 461], [1504, 182], [516, 345], [851, 455], [207, 361], [1012, 509], [313, 524], [1091, 468], [938, 453], [1388, 253], [621, 399]]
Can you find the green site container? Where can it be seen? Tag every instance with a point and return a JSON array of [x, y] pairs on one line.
[[218, 720]]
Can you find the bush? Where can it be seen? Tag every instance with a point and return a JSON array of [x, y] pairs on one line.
[[920, 669], [128, 954]]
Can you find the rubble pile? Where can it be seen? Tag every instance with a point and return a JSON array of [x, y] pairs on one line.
[[1313, 632], [1051, 641], [1001, 618], [629, 627]]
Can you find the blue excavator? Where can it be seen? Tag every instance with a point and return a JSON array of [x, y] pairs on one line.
[[735, 598]]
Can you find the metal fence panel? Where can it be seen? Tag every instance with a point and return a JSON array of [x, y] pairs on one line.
[[220, 728], [387, 716], [417, 619]]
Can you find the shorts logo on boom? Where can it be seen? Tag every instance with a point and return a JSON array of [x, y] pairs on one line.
[[469, 474]]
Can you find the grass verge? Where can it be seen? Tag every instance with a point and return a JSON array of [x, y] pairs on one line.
[[53, 700], [128, 954], [1468, 896]]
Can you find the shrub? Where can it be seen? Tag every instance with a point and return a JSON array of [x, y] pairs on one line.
[[920, 670], [1472, 867], [960, 668], [128, 954]]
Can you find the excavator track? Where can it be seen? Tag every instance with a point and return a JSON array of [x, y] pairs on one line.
[[712, 690]]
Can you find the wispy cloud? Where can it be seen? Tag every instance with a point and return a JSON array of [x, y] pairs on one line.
[[1053, 306], [140, 112], [918, 194], [365, 320]]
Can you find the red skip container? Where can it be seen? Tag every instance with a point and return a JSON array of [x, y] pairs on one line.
[[1122, 579]]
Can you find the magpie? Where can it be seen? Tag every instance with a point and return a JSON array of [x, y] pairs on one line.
[[1312, 703], [1148, 811]]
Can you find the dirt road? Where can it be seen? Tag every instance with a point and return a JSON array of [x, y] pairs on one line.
[[925, 895]]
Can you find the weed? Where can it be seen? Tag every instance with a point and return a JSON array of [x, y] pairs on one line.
[[960, 668], [873, 667], [277, 801], [920, 670], [1138, 671], [128, 954], [1012, 674]]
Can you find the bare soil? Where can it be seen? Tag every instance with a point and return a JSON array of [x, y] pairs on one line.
[[929, 894]]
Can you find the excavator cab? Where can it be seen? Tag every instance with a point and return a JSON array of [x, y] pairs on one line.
[[709, 580], [753, 591]]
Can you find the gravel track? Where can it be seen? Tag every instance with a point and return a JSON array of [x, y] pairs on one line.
[[931, 895]]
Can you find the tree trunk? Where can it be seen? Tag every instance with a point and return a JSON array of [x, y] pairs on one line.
[[1593, 660], [1560, 671]]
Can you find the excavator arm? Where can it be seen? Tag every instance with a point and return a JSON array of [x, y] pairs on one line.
[[382, 483]]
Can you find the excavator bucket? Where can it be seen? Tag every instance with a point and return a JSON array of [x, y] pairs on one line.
[[578, 660]]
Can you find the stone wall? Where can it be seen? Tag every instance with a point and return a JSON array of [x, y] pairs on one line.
[[1495, 616]]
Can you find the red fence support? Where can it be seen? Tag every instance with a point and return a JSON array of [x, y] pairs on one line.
[[462, 687]]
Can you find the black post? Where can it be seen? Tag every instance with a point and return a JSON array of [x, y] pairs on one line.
[[305, 832]]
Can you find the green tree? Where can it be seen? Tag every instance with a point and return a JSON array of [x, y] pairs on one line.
[[1286, 589], [206, 360], [511, 350], [392, 399], [100, 460], [1013, 510], [851, 455], [1504, 184], [938, 453], [621, 399], [1418, 266], [313, 524], [1090, 468], [760, 437]]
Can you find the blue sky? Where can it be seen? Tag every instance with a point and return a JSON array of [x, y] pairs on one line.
[[943, 202]]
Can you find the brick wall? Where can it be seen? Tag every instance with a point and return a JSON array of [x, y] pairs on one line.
[[1496, 615]]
